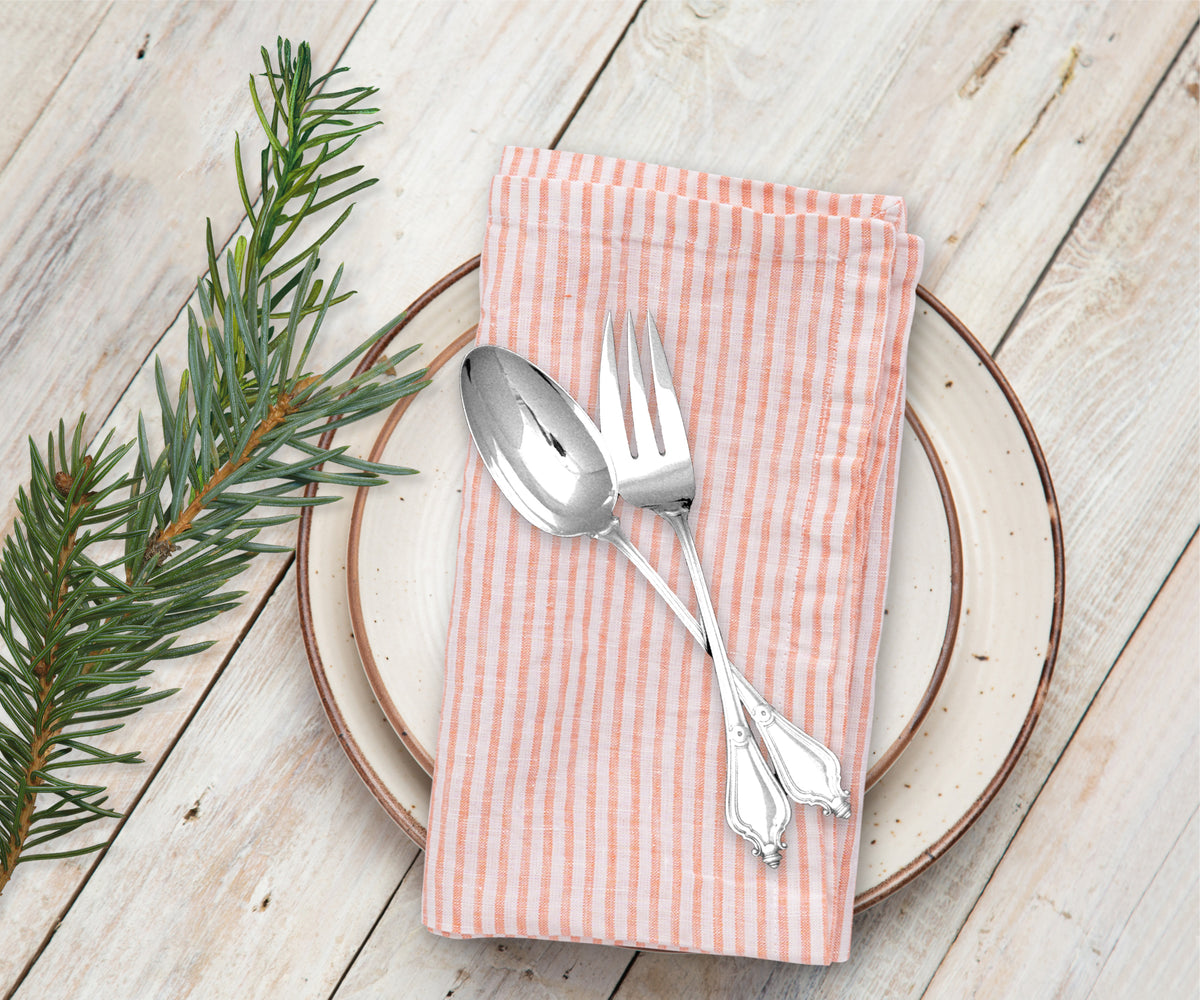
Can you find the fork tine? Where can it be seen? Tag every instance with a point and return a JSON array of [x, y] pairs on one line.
[[670, 417], [643, 426], [612, 415]]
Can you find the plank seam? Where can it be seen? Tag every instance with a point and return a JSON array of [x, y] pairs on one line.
[[1145, 889], [155, 768], [269, 591], [625, 972], [156, 346], [237, 642], [374, 924], [58, 86], [1066, 745], [1091, 195], [591, 84]]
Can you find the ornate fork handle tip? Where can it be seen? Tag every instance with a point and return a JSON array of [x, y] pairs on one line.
[[809, 771]]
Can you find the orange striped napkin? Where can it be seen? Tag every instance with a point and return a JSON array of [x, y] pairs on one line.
[[579, 787]]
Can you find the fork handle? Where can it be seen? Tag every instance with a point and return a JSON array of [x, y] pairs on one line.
[[808, 770], [614, 535]]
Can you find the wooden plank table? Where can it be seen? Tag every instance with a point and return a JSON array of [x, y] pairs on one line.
[[1048, 156]]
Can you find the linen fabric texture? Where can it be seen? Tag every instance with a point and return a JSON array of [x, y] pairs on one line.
[[580, 768]]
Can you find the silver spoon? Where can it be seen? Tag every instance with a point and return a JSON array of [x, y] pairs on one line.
[[549, 460], [542, 449]]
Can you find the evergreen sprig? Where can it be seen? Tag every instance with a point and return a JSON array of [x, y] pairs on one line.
[[106, 566]]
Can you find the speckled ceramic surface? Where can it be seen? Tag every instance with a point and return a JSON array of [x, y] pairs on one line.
[[996, 677], [404, 536]]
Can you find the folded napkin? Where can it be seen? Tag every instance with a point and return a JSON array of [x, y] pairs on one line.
[[579, 786]]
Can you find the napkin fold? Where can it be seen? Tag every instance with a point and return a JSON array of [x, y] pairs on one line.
[[579, 785]]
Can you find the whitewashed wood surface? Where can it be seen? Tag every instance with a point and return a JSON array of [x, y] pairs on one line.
[[1049, 157]]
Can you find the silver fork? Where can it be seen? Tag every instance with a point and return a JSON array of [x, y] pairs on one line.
[[664, 482]]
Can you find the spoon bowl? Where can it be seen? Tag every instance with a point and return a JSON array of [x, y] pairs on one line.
[[538, 444]]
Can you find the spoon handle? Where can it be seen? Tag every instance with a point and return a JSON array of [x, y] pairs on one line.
[[755, 806], [808, 770], [615, 536]]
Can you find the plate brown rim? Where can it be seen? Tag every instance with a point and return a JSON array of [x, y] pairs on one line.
[[353, 580], [927, 857], [423, 755], [888, 886], [358, 759], [953, 612]]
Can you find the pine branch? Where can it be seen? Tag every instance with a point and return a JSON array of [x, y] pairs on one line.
[[105, 569]]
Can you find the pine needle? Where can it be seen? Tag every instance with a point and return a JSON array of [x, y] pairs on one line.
[[104, 570]]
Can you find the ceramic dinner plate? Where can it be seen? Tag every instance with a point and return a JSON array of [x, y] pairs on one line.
[[1004, 645], [403, 543]]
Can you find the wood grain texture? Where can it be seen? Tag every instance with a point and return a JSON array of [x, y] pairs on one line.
[[1157, 954], [103, 230], [389, 276], [38, 45], [807, 94], [1056, 900], [1103, 360], [255, 813], [39, 894], [401, 958], [70, 341]]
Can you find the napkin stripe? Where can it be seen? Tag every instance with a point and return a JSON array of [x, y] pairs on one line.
[[615, 221], [667, 719], [774, 435], [523, 553], [762, 429], [495, 835], [712, 935], [670, 678], [539, 781], [696, 801], [583, 801], [534, 909], [843, 491], [807, 837], [572, 914], [721, 365], [556, 850], [627, 855], [808, 618]]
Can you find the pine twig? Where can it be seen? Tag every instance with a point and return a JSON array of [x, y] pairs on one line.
[[104, 569]]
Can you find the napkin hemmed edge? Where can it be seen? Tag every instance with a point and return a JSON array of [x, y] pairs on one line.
[[640, 945], [888, 208]]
